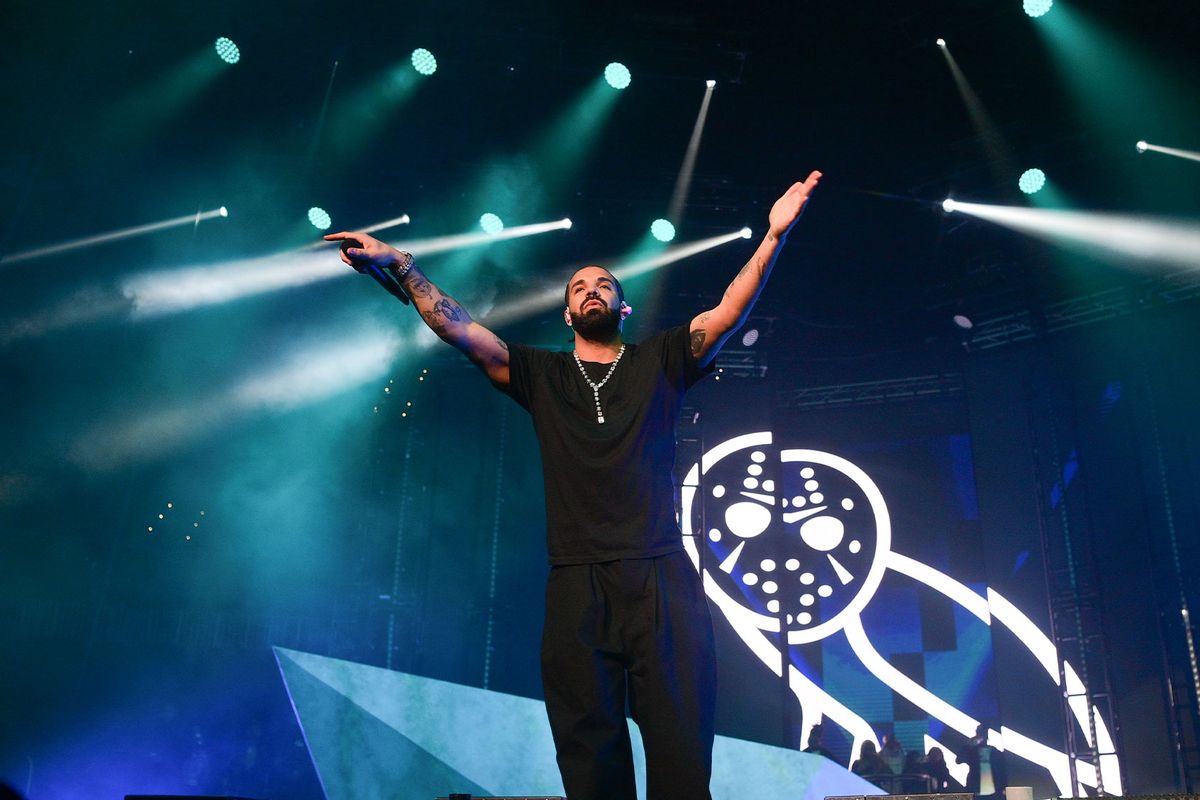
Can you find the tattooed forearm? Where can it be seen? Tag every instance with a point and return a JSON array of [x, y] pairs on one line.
[[698, 336]]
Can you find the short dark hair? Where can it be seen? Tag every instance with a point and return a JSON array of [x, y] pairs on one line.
[[616, 283]]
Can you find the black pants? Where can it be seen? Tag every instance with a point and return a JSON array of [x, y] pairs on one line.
[[637, 628]]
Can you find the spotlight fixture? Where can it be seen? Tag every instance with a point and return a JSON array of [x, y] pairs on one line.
[[1037, 8], [948, 206], [941, 42], [963, 321], [746, 233], [227, 50], [710, 83], [423, 61], [1032, 181], [491, 223], [662, 230], [1142, 146], [319, 218], [223, 211], [617, 75], [750, 337]]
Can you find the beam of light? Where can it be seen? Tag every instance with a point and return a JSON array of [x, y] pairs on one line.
[[112, 236], [1120, 85], [171, 291], [81, 307], [319, 127], [552, 297], [403, 219], [1117, 236], [999, 152], [362, 113], [308, 375], [95, 303], [684, 181], [565, 143], [1191, 155]]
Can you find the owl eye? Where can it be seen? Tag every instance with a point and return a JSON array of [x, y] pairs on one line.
[[746, 519]]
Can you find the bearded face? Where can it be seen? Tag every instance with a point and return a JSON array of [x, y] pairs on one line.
[[596, 322]]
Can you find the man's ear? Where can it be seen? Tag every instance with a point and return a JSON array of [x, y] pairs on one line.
[[625, 309], [567, 316]]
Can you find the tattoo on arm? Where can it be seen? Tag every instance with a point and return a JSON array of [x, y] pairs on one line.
[[434, 321], [697, 341], [420, 286], [500, 342], [449, 309]]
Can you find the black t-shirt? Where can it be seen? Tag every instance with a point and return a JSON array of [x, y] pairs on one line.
[[609, 486]]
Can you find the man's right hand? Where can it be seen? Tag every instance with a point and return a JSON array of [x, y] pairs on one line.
[[361, 249]]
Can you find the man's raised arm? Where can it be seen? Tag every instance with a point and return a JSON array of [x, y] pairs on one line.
[[441, 312], [710, 329]]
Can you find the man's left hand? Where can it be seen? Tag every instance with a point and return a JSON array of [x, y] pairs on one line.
[[788, 208]]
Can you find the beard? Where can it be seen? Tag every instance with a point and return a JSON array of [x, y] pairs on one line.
[[597, 324]]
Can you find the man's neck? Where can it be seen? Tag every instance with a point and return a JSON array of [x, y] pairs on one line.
[[602, 352]]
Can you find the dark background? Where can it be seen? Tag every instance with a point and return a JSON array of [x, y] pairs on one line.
[[138, 662]]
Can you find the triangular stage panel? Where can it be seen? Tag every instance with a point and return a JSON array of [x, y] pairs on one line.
[[375, 733]]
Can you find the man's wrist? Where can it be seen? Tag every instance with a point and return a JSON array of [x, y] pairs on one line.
[[403, 265]]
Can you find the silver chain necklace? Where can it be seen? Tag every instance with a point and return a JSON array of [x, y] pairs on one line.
[[596, 386]]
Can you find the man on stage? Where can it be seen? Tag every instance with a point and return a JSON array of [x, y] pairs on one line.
[[626, 615]]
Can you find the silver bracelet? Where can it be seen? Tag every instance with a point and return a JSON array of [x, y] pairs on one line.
[[406, 263]]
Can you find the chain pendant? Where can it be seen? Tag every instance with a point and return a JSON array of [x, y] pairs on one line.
[[596, 386]]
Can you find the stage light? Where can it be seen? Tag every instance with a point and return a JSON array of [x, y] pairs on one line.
[[112, 236], [1142, 147], [750, 337], [710, 83], [228, 51], [617, 75], [423, 61], [319, 218], [963, 321], [1037, 8], [491, 223], [566, 223], [1032, 181], [746, 233], [941, 42], [662, 230], [1124, 239], [948, 206]]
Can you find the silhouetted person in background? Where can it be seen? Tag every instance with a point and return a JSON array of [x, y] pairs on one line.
[[816, 743], [988, 774], [934, 766]]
